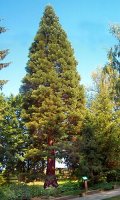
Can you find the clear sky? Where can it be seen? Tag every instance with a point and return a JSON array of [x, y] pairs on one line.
[[86, 23]]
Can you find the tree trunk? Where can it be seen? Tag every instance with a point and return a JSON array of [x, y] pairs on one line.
[[50, 172]]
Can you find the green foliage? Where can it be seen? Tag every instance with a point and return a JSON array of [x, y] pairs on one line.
[[99, 145], [2, 180], [51, 107], [3, 53], [89, 162], [113, 175], [106, 130], [114, 62], [13, 135], [53, 99], [102, 186], [17, 192]]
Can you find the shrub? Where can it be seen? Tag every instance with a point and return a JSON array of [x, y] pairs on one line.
[[14, 192], [111, 176]]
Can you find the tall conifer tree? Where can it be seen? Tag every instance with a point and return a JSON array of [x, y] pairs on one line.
[[53, 97], [3, 53], [114, 63], [105, 125]]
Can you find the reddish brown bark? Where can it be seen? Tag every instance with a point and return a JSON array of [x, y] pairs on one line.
[[50, 172]]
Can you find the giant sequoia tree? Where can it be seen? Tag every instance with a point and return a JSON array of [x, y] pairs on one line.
[[3, 53], [53, 97]]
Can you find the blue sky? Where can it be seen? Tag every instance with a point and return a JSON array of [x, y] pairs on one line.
[[86, 23]]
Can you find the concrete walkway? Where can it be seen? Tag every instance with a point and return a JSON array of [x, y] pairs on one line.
[[100, 196]]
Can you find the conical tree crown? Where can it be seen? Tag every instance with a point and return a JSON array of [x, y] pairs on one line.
[[53, 97]]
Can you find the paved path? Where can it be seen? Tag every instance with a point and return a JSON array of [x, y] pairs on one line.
[[101, 195]]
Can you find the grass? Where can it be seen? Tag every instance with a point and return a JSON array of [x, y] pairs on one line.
[[41, 183], [113, 198]]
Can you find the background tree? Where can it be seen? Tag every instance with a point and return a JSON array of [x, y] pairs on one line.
[[114, 52], [13, 137], [3, 53], [97, 153], [89, 162], [2, 110], [105, 125], [53, 99], [114, 62]]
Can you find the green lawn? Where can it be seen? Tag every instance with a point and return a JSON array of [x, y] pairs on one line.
[[114, 198]]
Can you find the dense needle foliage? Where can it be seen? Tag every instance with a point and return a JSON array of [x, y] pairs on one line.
[[53, 97]]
